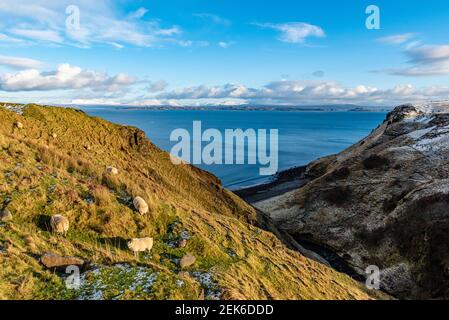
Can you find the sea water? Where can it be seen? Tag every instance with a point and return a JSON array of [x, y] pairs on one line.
[[303, 136]]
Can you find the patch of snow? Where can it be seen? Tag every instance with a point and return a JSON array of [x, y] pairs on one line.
[[438, 141], [420, 133], [179, 283], [173, 240], [212, 292], [94, 282], [185, 235], [421, 118], [432, 108], [15, 108]]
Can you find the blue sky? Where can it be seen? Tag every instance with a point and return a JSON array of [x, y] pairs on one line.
[[223, 52]]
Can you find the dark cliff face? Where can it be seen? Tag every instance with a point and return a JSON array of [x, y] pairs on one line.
[[384, 202]]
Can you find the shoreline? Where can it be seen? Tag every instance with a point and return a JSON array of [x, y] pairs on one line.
[[283, 182]]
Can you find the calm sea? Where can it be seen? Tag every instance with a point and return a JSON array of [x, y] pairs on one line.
[[303, 136]]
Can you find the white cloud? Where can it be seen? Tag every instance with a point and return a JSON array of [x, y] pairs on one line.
[[208, 17], [30, 9], [65, 77], [96, 101], [429, 54], [157, 86], [189, 43], [169, 32], [20, 63], [116, 45], [295, 32], [39, 35], [11, 40], [225, 44], [421, 71], [425, 60], [397, 38], [89, 87], [101, 22], [139, 13], [309, 92]]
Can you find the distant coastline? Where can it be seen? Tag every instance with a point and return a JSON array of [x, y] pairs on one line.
[[242, 107], [307, 108]]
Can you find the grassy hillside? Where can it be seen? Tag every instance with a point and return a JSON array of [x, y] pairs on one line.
[[56, 164]]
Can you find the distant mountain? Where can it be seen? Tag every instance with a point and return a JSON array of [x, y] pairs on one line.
[[325, 108]]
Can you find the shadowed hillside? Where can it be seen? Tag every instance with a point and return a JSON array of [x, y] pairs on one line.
[[56, 164]]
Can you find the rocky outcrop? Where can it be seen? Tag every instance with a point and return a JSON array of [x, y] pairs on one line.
[[54, 261], [383, 201]]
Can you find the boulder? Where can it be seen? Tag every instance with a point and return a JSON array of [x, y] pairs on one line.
[[182, 243], [54, 261], [183, 274], [5, 215], [187, 260]]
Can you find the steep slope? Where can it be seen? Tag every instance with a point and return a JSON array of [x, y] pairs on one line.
[[383, 201], [55, 164]]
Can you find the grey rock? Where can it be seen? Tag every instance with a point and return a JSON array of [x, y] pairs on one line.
[[187, 261], [51, 261], [5, 215], [182, 243]]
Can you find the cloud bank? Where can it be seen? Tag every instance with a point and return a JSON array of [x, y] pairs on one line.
[[309, 92]]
